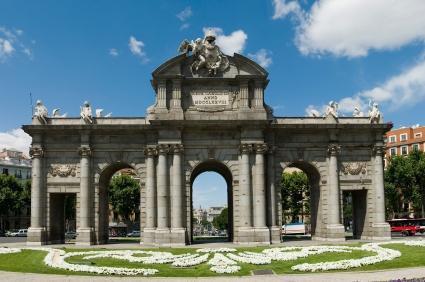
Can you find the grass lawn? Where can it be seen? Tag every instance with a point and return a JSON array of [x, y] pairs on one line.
[[32, 261]]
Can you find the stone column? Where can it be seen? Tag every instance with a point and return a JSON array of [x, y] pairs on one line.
[[177, 212], [258, 95], [335, 230], [162, 187], [176, 101], [243, 95], [245, 217], [37, 231], [149, 230], [259, 197], [85, 231], [162, 95], [271, 198], [262, 233], [381, 229]]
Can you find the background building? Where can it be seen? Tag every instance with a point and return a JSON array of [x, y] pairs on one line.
[[405, 139]]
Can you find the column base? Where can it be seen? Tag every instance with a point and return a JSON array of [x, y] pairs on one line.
[[85, 236], [332, 232], [262, 235], [148, 236], [162, 237], [36, 236], [379, 231], [178, 237], [275, 235]]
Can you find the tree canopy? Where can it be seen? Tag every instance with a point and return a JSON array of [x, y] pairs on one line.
[[221, 221], [124, 195], [405, 183], [295, 193]]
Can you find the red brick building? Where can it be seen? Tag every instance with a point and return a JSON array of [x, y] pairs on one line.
[[403, 140]]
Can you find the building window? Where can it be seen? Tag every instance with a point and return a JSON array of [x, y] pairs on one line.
[[404, 150], [415, 147], [393, 139], [418, 135], [5, 171], [393, 152], [403, 137], [18, 173]]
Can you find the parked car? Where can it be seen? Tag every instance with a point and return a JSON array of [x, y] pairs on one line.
[[134, 233], [70, 235], [294, 228], [20, 233], [9, 233]]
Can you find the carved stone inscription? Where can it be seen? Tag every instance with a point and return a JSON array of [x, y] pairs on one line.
[[210, 98], [63, 170]]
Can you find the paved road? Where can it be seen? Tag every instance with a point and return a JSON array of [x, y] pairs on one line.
[[12, 239], [407, 273]]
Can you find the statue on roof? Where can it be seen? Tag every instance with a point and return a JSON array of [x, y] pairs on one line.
[[332, 109], [374, 113], [207, 55], [41, 112], [86, 113]]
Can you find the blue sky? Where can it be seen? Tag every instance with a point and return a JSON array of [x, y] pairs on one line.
[[66, 52]]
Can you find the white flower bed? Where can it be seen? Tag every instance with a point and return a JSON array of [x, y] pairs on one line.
[[5, 250], [216, 250], [251, 258], [220, 262], [190, 260]]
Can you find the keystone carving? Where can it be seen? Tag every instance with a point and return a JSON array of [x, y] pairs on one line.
[[36, 152], [353, 168], [63, 170]]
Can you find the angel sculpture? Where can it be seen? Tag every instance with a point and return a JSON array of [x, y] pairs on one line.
[[86, 113], [332, 109], [374, 113]]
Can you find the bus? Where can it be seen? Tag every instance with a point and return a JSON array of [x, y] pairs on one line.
[[408, 226]]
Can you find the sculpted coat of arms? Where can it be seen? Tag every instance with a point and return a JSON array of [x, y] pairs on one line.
[[207, 55]]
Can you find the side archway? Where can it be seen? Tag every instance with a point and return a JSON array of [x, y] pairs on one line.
[[314, 177], [105, 177]]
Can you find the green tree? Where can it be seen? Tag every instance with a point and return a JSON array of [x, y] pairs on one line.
[[221, 221], [405, 182], [10, 190], [295, 191], [124, 196]]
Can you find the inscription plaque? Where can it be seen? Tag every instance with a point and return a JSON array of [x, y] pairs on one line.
[[206, 98]]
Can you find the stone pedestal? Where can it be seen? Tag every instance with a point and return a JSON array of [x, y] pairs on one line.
[[275, 235], [380, 231], [178, 237], [262, 235], [85, 236], [244, 235], [162, 237], [36, 236], [148, 236]]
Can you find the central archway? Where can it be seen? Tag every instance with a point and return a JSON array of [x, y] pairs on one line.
[[224, 171]]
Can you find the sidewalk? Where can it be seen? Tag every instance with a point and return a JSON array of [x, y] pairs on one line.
[[385, 275]]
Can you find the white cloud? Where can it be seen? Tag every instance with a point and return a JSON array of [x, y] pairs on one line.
[[184, 26], [16, 139], [185, 14], [397, 92], [283, 8], [353, 28], [136, 48], [113, 52], [262, 57], [9, 43], [229, 44]]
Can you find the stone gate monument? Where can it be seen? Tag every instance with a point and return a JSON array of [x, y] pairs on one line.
[[209, 115]]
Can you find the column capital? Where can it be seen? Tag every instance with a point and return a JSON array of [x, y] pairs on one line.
[[260, 148], [85, 151], [378, 150], [245, 148], [176, 148], [334, 149], [150, 151], [36, 152], [163, 149]]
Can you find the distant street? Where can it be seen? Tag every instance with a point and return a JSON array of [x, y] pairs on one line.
[[12, 239]]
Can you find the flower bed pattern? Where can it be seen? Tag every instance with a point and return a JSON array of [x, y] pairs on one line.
[[220, 260]]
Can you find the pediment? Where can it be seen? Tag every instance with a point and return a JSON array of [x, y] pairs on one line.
[[180, 66]]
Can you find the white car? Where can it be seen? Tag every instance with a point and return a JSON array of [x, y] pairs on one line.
[[294, 228]]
